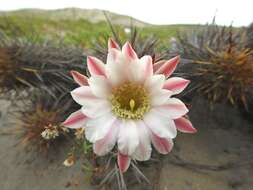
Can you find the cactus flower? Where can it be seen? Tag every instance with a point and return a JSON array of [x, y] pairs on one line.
[[129, 101]]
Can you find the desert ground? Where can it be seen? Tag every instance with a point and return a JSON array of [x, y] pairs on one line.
[[218, 157]]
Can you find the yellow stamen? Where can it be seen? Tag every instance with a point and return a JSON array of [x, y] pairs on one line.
[[130, 101], [132, 104]]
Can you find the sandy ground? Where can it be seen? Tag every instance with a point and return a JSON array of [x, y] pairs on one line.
[[223, 136]]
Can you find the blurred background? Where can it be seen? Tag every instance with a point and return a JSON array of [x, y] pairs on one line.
[[152, 12], [80, 21]]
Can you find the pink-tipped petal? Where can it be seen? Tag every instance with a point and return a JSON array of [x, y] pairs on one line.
[[168, 67], [97, 109], [75, 120], [97, 128], [114, 65], [128, 138], [123, 162], [161, 97], [128, 51], [184, 125], [176, 84], [162, 145], [158, 64], [105, 145], [143, 151], [160, 125], [112, 44], [173, 108], [99, 86], [147, 65], [79, 78], [154, 83], [113, 56], [84, 96], [95, 66]]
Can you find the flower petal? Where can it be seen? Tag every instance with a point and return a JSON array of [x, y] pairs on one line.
[[96, 109], [84, 96], [168, 67], [128, 51], [173, 108], [97, 128], [95, 66], [105, 145], [99, 86], [115, 64], [160, 125], [154, 83], [176, 84], [162, 145], [113, 56], [112, 44], [143, 150], [184, 125], [134, 71], [79, 78], [123, 162], [75, 120], [147, 66], [128, 138], [158, 64], [160, 97]]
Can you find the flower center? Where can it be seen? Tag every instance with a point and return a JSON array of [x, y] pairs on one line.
[[130, 101]]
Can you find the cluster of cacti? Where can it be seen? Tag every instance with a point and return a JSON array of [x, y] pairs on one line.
[[38, 117], [222, 63], [34, 64], [35, 77]]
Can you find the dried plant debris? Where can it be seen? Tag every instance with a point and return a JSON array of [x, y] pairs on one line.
[[106, 174], [32, 64], [38, 119], [221, 63], [81, 150]]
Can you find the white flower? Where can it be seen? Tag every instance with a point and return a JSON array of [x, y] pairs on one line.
[[128, 101]]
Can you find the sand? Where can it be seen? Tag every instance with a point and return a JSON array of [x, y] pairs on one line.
[[224, 135]]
